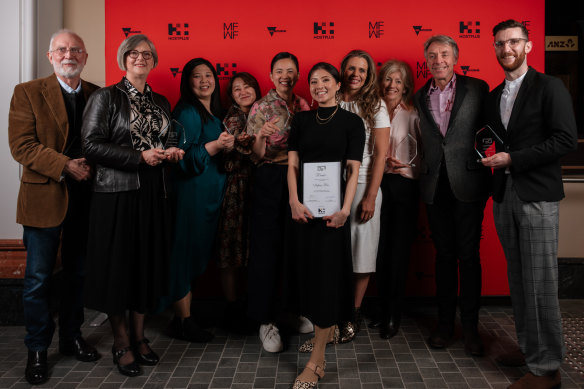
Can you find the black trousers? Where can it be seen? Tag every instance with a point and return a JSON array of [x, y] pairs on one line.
[[270, 210], [399, 217], [456, 228], [73, 253]]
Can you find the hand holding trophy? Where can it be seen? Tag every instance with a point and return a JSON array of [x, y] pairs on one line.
[[486, 142], [174, 133], [404, 153]]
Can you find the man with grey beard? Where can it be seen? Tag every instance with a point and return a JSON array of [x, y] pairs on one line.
[[44, 126]]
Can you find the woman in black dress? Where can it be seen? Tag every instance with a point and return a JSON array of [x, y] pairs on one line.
[[321, 250], [125, 129]]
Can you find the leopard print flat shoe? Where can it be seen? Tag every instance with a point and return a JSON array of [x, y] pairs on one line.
[[307, 346]]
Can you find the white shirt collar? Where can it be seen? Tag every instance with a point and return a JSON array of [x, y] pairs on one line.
[[67, 88], [515, 83]]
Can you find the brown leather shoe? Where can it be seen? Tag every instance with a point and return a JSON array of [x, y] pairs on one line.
[[513, 358], [531, 381]]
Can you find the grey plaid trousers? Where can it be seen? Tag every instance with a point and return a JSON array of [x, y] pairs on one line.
[[528, 232]]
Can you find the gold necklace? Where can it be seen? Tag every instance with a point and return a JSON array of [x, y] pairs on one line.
[[320, 120]]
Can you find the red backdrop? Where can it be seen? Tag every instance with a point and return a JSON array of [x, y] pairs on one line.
[[237, 36]]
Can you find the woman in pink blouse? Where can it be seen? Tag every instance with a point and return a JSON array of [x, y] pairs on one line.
[[399, 187]]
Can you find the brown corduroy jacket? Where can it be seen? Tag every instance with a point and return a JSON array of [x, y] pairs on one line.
[[37, 134]]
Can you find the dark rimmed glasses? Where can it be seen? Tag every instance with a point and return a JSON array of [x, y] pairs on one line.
[[134, 54]]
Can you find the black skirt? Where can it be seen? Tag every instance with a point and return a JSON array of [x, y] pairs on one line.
[[128, 246], [318, 282]]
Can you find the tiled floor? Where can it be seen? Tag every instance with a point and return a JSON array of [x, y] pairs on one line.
[[231, 361]]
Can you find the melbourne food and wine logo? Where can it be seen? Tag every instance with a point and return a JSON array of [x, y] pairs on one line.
[[175, 72], [422, 70], [225, 70], [418, 29], [128, 30], [469, 29], [324, 30], [273, 29], [178, 32], [376, 29], [230, 30]]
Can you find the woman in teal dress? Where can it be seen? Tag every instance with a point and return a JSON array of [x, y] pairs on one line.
[[199, 185]]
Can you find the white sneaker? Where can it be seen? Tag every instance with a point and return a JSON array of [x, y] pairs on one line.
[[305, 326], [270, 337]]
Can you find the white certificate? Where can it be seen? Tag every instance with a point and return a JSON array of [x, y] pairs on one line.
[[322, 187]]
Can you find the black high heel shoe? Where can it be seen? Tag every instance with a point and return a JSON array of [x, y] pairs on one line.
[[131, 369], [149, 359]]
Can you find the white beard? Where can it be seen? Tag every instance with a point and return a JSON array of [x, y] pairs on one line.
[[67, 72]]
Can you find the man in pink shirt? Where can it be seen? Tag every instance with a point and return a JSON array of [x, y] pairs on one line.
[[454, 187]]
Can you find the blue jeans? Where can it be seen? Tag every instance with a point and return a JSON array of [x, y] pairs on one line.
[[42, 246]]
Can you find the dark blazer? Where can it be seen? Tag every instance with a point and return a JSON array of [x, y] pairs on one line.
[[542, 128], [469, 180], [37, 133]]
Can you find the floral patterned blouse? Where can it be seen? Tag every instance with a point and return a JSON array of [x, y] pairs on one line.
[[234, 123], [148, 125], [266, 108]]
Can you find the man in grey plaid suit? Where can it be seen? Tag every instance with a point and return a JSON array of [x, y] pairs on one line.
[[533, 115]]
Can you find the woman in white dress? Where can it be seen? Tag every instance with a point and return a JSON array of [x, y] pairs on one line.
[[360, 95]]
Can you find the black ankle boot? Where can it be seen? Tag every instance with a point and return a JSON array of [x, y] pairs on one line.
[[37, 369], [187, 329], [357, 319], [390, 328], [193, 333]]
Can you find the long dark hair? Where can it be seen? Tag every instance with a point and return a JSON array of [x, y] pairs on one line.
[[188, 96]]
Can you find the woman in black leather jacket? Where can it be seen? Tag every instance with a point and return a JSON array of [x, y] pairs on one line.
[[125, 129]]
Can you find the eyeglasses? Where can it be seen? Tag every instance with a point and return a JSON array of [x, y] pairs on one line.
[[62, 51], [512, 43], [134, 54]]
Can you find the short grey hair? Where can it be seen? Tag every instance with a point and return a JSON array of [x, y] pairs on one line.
[[63, 31], [444, 39], [129, 44]]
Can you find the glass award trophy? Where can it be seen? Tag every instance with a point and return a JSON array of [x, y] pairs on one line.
[[406, 150], [486, 142], [173, 132]]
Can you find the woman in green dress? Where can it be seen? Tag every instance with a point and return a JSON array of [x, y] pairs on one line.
[[199, 185]]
